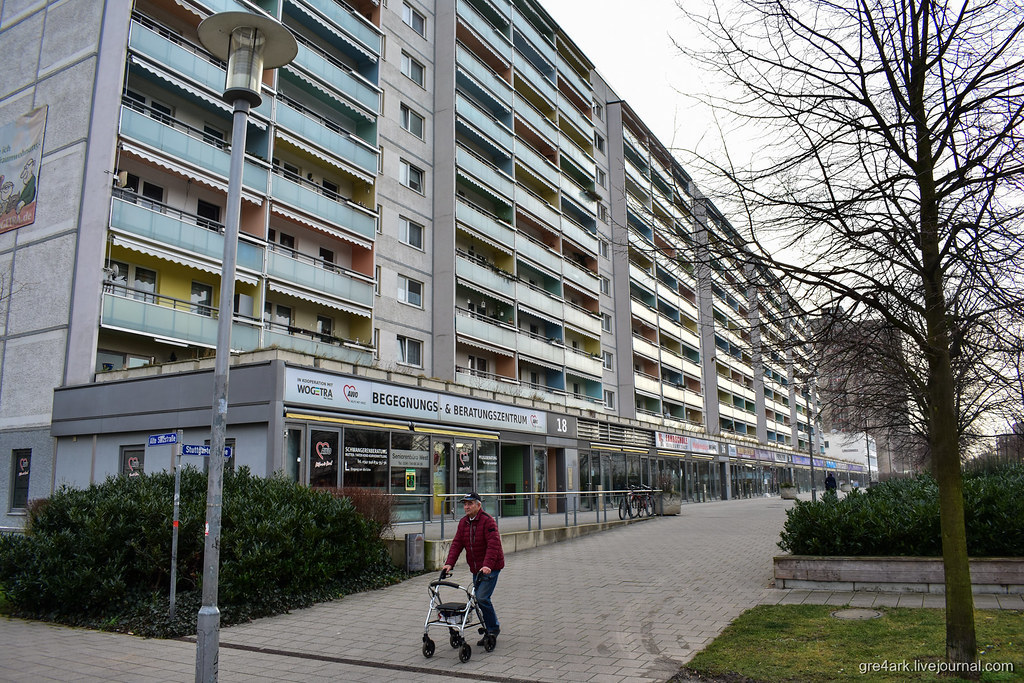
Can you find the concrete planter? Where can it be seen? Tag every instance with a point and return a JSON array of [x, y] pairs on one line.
[[894, 574], [788, 493]]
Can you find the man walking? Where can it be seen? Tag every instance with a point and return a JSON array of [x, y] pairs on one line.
[[478, 535]]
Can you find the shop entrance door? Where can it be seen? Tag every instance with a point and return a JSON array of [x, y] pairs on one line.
[[454, 473]]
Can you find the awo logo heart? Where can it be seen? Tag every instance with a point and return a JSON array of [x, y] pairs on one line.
[[23, 466], [350, 391], [134, 468], [323, 449]]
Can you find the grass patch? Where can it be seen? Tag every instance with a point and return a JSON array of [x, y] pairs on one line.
[[805, 643]]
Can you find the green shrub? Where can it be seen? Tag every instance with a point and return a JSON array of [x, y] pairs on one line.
[[101, 556], [901, 517]]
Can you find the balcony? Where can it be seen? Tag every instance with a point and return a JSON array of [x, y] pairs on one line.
[[485, 223], [319, 276], [646, 348], [538, 253], [540, 300], [671, 360], [484, 79], [168, 318], [583, 320], [539, 208], [491, 128], [537, 165], [580, 160], [648, 383], [536, 80], [643, 312], [581, 276], [532, 116], [497, 41], [315, 344], [484, 275], [574, 191], [338, 75], [642, 277], [585, 127], [579, 235], [189, 233], [351, 22], [185, 143], [305, 123], [541, 44], [582, 361], [485, 329], [484, 172], [315, 201], [540, 347]]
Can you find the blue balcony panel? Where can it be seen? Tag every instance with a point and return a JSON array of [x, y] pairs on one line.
[[356, 31], [156, 320]]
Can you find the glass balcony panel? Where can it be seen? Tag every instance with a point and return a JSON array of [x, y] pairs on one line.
[[568, 112], [184, 59], [485, 223], [531, 115], [542, 349], [671, 360], [581, 276], [495, 84], [577, 194], [642, 276], [484, 172], [538, 207], [342, 80], [317, 348], [339, 143], [166, 228], [485, 276], [537, 80], [316, 204], [173, 322], [538, 253], [495, 39], [644, 313], [583, 362], [580, 158], [540, 43], [649, 349], [579, 235], [583, 320], [353, 24], [647, 383], [540, 166], [335, 283], [484, 122], [484, 329], [539, 300]]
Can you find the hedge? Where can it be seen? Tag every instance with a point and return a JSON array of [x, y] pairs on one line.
[[101, 556]]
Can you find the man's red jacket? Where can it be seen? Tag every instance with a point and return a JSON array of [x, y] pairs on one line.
[[480, 538]]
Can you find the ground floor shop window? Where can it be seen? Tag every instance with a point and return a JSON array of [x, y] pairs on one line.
[[410, 475], [132, 460], [323, 458], [366, 459]]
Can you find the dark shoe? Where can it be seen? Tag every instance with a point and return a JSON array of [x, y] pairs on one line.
[[483, 641]]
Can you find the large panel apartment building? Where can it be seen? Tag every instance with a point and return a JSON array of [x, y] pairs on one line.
[[464, 263]]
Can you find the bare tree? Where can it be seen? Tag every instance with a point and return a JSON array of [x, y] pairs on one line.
[[892, 166]]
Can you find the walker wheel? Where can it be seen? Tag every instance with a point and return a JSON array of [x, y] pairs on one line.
[[428, 647], [455, 640], [465, 652], [490, 642]]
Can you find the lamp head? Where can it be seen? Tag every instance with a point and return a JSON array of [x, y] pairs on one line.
[[249, 43]]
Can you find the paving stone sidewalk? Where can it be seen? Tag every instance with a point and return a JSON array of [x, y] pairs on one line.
[[630, 604]]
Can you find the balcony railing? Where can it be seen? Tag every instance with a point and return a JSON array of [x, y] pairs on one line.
[[485, 222], [350, 20], [322, 203], [316, 343], [491, 127], [331, 136], [484, 274], [336, 73], [495, 39], [319, 275], [485, 328]]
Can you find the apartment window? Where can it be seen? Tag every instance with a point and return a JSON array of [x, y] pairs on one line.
[[277, 314], [412, 177], [606, 322], [202, 298], [413, 70], [477, 365], [414, 20], [209, 215], [411, 233], [214, 136], [599, 142], [376, 280], [375, 342], [606, 360], [327, 257], [609, 398], [410, 351], [380, 219], [21, 465], [331, 190], [132, 460], [412, 122], [603, 248], [599, 110], [410, 291], [606, 285], [324, 326]]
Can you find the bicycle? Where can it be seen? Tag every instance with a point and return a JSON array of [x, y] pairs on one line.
[[637, 503]]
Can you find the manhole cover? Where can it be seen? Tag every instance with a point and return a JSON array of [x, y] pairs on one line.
[[856, 614]]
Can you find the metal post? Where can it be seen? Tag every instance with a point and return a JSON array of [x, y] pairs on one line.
[[867, 451], [567, 508], [208, 625], [529, 513], [176, 461]]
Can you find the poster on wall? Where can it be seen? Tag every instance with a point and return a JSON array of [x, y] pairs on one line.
[[21, 153]]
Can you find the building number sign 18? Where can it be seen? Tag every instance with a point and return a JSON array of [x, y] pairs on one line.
[[561, 425]]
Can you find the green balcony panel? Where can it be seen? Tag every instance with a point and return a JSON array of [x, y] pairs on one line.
[[353, 24], [539, 300], [542, 349], [497, 41], [484, 122], [539, 254], [484, 223], [316, 204], [485, 330], [344, 81], [485, 276], [337, 284], [542, 124], [315, 348], [485, 173], [174, 323], [339, 144]]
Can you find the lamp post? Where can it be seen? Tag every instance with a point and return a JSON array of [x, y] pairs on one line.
[[249, 43]]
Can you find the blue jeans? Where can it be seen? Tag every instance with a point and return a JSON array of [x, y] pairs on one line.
[[485, 584]]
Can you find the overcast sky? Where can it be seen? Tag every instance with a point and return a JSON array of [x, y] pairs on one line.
[[629, 43]]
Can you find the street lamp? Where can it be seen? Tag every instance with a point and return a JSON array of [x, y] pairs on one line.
[[249, 43]]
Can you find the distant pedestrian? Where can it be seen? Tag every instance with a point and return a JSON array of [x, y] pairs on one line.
[[478, 535], [830, 483]]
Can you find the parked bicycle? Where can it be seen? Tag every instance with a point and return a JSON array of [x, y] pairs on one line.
[[637, 503]]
